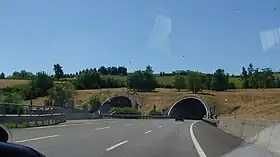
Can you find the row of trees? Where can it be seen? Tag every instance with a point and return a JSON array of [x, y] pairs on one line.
[[43, 84], [259, 78], [196, 81], [59, 73], [219, 81], [102, 70]]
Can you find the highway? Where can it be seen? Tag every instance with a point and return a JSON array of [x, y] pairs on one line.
[[127, 138]]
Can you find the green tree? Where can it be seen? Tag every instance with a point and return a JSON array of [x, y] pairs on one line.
[[88, 80], [95, 103], [13, 97], [41, 84], [149, 69], [179, 82], [103, 70], [256, 79], [2, 76], [220, 80], [122, 70], [142, 80], [245, 78], [268, 78], [58, 71], [251, 77], [150, 82], [277, 82], [111, 82], [23, 74], [61, 93], [206, 81], [194, 81]]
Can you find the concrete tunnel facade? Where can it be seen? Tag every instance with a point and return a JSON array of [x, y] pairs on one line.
[[189, 107], [116, 101]]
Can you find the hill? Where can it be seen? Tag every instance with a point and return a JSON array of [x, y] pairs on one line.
[[249, 103], [8, 82]]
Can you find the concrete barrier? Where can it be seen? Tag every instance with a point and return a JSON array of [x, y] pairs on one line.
[[262, 133], [214, 122], [80, 116], [248, 130]]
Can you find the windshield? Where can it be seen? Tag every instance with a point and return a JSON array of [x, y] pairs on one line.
[[140, 77]]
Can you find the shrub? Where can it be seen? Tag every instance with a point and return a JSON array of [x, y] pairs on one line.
[[88, 80], [155, 112], [94, 103], [124, 110], [61, 93]]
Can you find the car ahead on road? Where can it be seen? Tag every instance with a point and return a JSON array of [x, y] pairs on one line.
[[14, 150], [179, 118]]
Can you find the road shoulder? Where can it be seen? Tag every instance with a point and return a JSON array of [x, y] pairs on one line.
[[214, 141]]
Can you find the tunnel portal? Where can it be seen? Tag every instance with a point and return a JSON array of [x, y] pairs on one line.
[[117, 101], [190, 108]]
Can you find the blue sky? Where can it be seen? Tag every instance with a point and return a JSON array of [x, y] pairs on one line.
[[205, 34]]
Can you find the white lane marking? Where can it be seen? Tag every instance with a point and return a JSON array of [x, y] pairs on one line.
[[195, 142], [160, 126], [116, 145], [64, 125], [127, 124], [107, 127], [148, 131], [37, 138]]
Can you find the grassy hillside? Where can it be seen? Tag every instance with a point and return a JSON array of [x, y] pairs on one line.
[[249, 103], [7, 83], [168, 80]]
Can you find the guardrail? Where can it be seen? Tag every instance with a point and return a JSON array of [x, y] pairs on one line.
[[134, 116], [19, 109], [15, 115], [214, 122]]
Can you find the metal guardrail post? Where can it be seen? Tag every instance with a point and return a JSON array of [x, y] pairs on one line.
[[4, 110]]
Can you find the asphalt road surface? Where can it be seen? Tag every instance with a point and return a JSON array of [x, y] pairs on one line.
[[127, 138]]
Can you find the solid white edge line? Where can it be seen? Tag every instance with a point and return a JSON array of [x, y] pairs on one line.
[[195, 142], [148, 131], [107, 127], [116, 145], [37, 138]]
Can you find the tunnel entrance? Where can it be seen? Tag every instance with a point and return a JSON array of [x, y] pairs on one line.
[[189, 108], [117, 101]]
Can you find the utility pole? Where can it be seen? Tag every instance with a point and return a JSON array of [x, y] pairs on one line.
[[109, 76], [130, 66], [31, 92]]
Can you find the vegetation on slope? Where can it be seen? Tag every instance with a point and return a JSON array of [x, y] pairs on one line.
[[89, 87]]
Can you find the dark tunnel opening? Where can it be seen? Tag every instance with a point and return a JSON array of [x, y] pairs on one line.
[[189, 108], [118, 101]]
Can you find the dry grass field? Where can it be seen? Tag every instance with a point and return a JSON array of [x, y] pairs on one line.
[[241, 103], [7, 83], [249, 103]]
